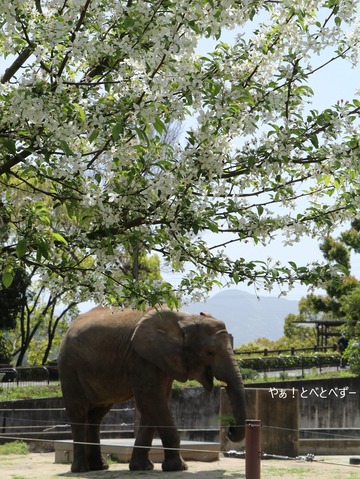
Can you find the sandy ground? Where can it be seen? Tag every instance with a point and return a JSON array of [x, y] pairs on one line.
[[42, 466]]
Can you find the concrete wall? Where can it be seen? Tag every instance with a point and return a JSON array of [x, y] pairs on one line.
[[329, 411], [279, 416], [329, 414], [47, 419], [196, 412], [194, 409]]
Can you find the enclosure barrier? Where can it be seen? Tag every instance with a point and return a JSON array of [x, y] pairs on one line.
[[28, 375]]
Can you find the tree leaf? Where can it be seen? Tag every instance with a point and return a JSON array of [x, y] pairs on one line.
[[21, 248], [159, 126], [59, 237], [7, 279], [116, 131], [66, 148]]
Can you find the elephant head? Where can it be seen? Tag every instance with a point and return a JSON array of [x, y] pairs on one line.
[[196, 347]]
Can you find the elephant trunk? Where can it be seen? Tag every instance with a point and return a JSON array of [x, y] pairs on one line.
[[236, 432], [236, 394]]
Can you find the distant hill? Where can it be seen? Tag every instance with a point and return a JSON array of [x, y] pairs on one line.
[[247, 317]]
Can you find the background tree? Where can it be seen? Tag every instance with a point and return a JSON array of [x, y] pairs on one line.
[[341, 301], [13, 298], [297, 335], [42, 317], [86, 95], [342, 291], [39, 319]]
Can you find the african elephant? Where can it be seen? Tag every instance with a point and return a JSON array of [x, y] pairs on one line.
[[111, 355]]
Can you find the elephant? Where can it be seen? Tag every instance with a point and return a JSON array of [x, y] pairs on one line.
[[111, 355]]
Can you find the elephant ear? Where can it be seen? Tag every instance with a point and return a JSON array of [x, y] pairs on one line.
[[159, 339]]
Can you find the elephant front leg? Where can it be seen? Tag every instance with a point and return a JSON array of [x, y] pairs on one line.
[[155, 415], [171, 442], [140, 456]]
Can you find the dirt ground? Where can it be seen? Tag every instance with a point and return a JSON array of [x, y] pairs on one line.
[[42, 466]]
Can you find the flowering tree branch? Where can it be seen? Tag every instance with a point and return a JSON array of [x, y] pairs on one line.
[[87, 170]]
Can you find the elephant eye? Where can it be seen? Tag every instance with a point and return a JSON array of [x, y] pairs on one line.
[[210, 352]]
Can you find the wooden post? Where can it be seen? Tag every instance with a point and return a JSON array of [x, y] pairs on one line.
[[252, 448]]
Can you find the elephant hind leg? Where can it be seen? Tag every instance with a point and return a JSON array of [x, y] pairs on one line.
[[80, 463], [78, 421], [95, 459]]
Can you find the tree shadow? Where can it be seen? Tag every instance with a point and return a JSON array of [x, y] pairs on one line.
[[157, 473]]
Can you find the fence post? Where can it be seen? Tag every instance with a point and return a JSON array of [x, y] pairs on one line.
[[252, 448]]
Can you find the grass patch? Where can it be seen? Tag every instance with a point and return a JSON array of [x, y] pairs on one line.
[[289, 471], [8, 393], [14, 447]]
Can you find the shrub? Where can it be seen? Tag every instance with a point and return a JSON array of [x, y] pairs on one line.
[[15, 447], [248, 373], [352, 354]]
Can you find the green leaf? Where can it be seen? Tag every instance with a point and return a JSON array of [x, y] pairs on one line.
[[81, 111], [66, 148], [159, 126], [117, 130], [213, 226], [128, 22], [42, 250], [142, 135], [58, 237], [314, 140], [7, 278], [10, 145], [93, 135], [21, 248]]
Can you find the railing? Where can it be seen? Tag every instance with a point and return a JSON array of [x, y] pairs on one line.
[[267, 363], [276, 352], [35, 374], [286, 363]]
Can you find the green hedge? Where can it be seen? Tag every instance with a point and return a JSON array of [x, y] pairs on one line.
[[290, 362]]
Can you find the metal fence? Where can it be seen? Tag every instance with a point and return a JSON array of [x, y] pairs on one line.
[[28, 375], [36, 375], [288, 363]]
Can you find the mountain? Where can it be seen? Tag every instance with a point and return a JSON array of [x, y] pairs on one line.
[[246, 316]]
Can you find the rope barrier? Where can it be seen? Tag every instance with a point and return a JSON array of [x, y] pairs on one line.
[[50, 430], [233, 454], [55, 409], [317, 432], [306, 458]]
